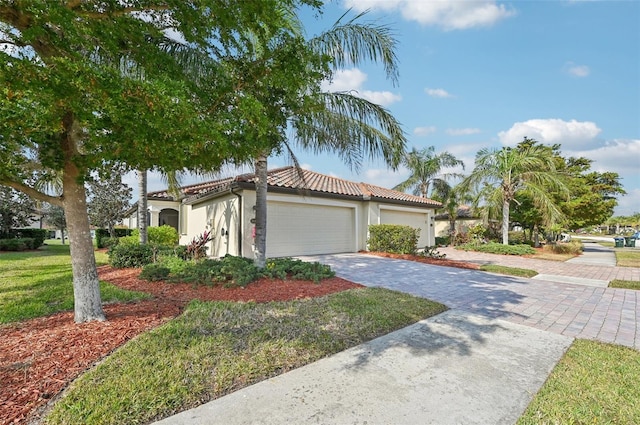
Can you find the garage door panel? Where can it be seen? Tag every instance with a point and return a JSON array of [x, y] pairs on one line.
[[411, 219], [299, 229]]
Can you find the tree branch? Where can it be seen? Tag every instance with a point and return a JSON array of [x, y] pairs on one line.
[[28, 190]]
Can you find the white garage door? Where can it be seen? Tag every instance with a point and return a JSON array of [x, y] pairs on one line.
[[412, 219], [298, 229]]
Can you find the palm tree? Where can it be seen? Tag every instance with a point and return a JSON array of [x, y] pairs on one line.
[[425, 167], [500, 174], [451, 200], [336, 122]]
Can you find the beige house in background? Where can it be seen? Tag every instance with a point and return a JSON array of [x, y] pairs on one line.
[[464, 220], [307, 214]]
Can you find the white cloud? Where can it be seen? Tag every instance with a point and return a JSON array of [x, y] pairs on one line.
[[576, 70], [345, 80], [619, 155], [424, 131], [384, 98], [628, 204], [462, 131], [446, 14], [570, 134], [352, 80], [437, 93]]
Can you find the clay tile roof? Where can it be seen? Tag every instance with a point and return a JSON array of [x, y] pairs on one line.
[[381, 192], [192, 190], [291, 178]]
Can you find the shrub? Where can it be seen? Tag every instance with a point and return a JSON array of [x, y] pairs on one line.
[[477, 232], [573, 247], [517, 238], [238, 271], [161, 236], [12, 245], [461, 238], [496, 248], [107, 242], [281, 268], [197, 248], [432, 252], [199, 273], [103, 234], [179, 251], [175, 264], [128, 255], [38, 236], [393, 238], [443, 240], [154, 272]]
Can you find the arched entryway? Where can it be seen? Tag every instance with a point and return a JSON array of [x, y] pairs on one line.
[[168, 217]]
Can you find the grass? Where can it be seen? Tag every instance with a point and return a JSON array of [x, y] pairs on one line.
[[215, 348], [511, 271], [627, 257], [552, 256], [594, 383], [624, 284], [39, 283]]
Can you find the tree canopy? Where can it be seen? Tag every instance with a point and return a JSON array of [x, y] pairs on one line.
[[426, 166], [88, 84], [501, 174]]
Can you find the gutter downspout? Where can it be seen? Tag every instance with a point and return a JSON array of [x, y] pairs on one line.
[[240, 216]]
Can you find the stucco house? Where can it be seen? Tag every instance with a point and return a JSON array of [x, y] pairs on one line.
[[465, 219], [311, 213]]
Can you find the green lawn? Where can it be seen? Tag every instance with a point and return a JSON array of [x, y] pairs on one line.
[[215, 348], [594, 383], [627, 257], [34, 284], [625, 284], [510, 271]]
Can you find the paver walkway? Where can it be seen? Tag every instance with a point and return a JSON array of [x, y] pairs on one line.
[[605, 314], [573, 268]]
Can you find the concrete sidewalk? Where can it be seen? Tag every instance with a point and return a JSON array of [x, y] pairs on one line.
[[454, 368]]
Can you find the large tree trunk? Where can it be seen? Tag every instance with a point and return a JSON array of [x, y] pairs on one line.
[[260, 242], [505, 222], [142, 205], [86, 286]]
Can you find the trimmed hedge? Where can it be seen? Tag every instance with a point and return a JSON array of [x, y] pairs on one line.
[[156, 235], [102, 236], [38, 235], [393, 238], [129, 255], [18, 244]]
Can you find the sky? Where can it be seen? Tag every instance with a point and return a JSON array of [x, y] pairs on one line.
[[486, 74]]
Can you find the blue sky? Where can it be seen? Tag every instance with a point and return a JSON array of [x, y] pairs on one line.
[[476, 74]]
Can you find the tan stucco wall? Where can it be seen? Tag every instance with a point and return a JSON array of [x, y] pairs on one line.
[[462, 225]]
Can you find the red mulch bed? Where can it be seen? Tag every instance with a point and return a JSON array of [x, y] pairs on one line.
[[428, 260], [40, 357]]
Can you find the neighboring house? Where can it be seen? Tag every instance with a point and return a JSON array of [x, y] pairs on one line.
[[464, 220], [312, 214]]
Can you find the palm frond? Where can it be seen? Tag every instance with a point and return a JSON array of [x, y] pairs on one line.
[[352, 43]]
